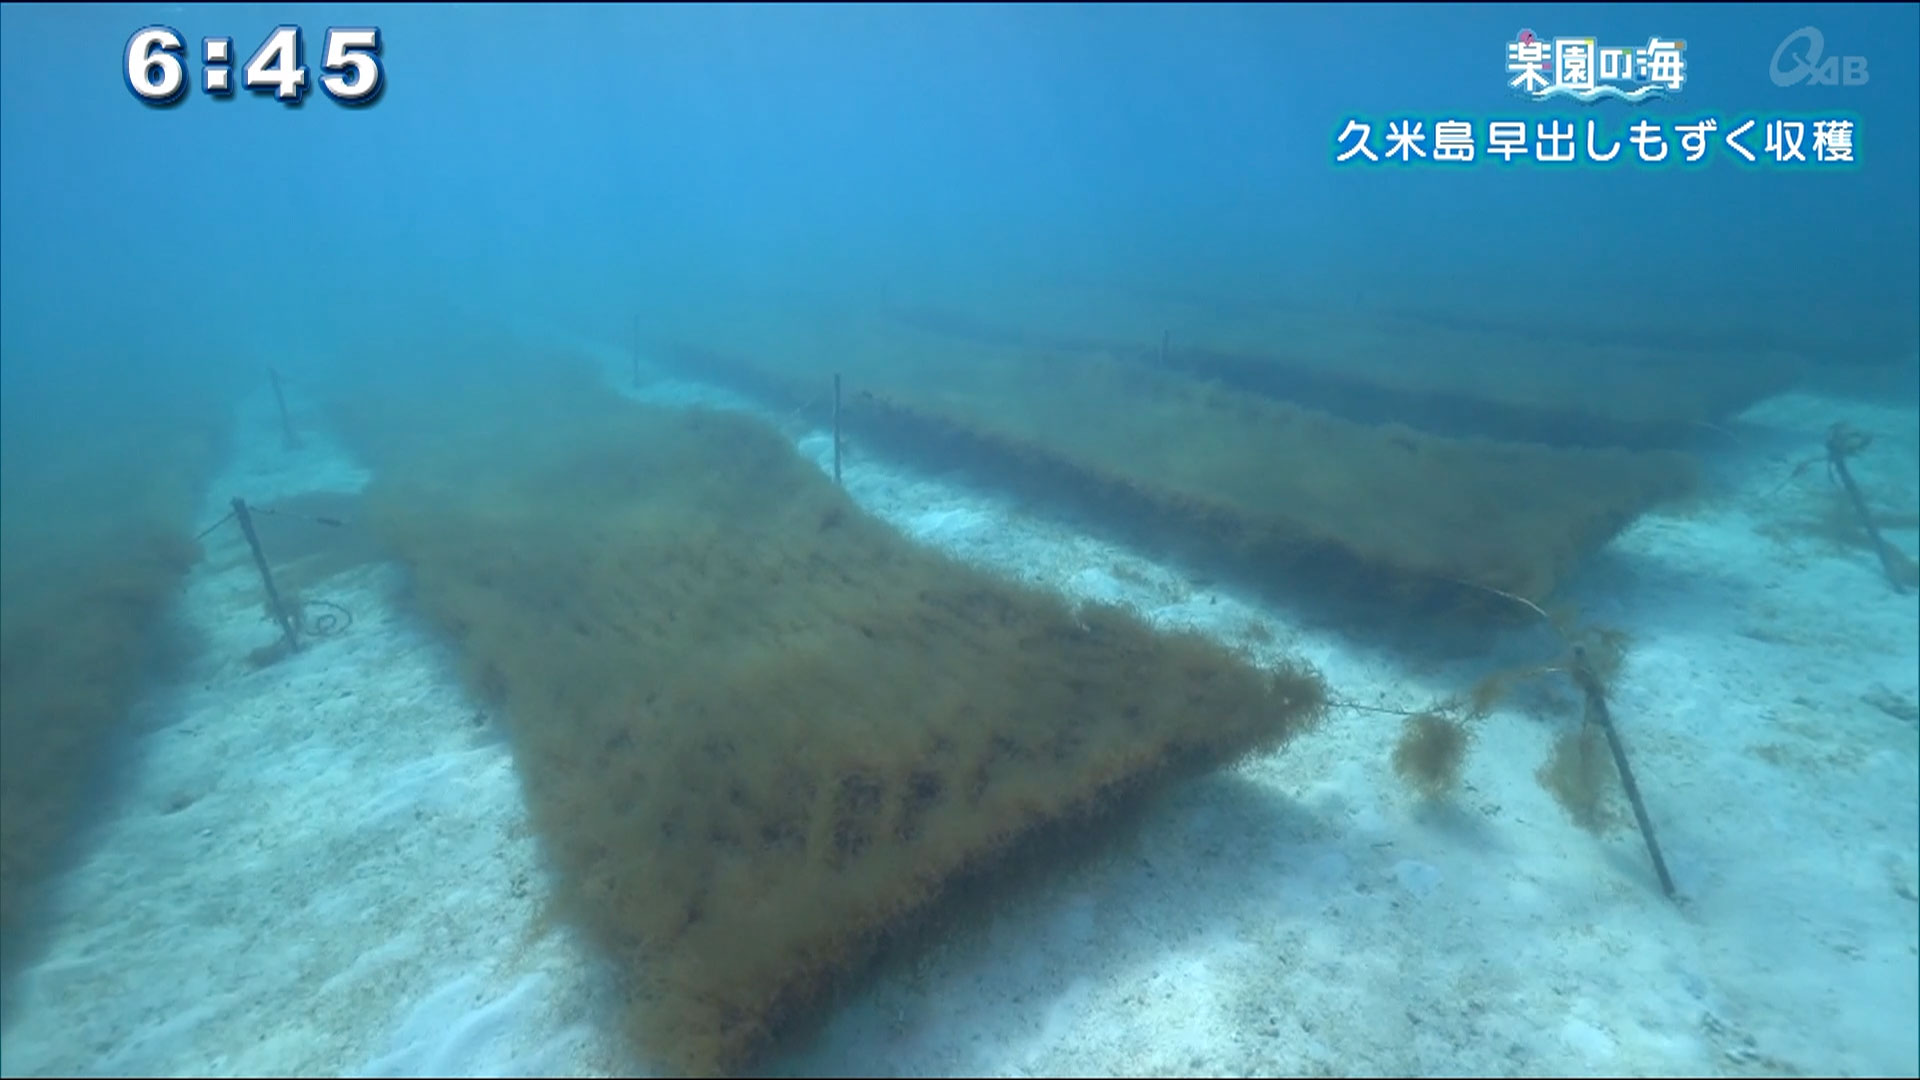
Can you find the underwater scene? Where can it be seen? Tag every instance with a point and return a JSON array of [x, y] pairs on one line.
[[935, 540]]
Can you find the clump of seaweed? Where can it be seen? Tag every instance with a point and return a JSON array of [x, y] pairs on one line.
[[1431, 753], [1577, 774]]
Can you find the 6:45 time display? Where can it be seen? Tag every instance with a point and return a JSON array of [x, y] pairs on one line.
[[155, 66]]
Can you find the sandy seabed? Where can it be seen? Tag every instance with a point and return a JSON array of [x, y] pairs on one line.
[[324, 866]]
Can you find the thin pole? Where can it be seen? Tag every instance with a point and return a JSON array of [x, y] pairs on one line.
[[241, 512], [1839, 445], [1598, 713], [286, 422]]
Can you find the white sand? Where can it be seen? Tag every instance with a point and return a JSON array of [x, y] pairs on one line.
[[324, 867]]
